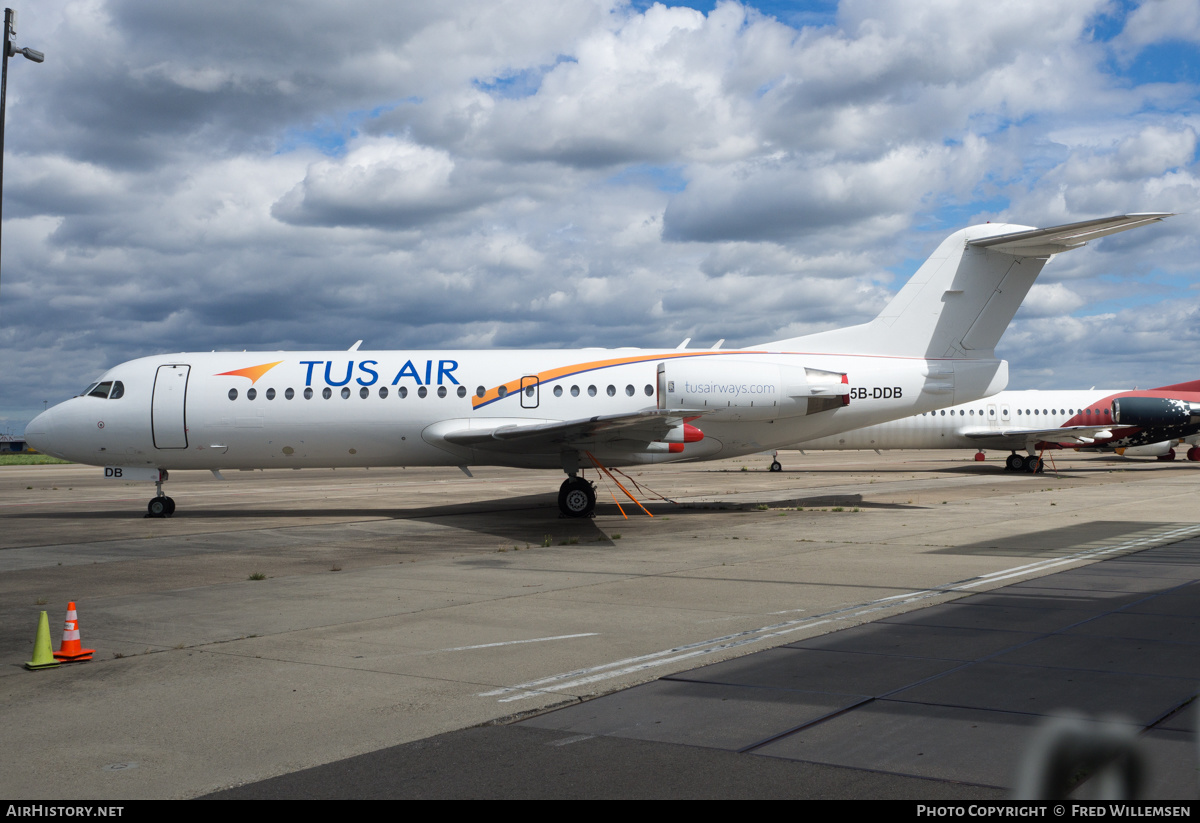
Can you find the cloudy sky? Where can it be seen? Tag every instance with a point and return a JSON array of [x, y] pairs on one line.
[[560, 173]]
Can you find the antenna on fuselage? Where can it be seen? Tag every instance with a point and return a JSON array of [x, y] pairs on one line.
[[355, 346], [683, 345]]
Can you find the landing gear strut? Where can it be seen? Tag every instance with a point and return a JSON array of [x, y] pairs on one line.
[[161, 505], [577, 498]]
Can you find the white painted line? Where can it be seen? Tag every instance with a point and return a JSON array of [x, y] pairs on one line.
[[631, 665], [518, 642]]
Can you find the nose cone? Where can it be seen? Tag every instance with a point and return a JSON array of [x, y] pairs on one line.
[[45, 431]]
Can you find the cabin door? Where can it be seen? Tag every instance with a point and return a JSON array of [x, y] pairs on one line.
[[168, 420]]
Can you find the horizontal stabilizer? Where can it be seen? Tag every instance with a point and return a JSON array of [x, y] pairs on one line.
[[1056, 239]]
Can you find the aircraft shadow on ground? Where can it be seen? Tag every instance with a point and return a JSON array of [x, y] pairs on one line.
[[545, 507]]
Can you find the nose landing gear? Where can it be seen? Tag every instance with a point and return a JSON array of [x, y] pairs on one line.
[[161, 505]]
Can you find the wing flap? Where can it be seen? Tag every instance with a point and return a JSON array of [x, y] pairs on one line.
[[647, 425], [1079, 434]]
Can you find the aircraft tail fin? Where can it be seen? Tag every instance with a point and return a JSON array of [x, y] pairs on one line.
[[961, 300], [1190, 386]]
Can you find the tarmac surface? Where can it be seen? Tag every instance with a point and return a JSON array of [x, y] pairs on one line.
[[859, 625]]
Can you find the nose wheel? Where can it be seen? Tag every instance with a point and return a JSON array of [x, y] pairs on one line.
[[160, 507], [576, 498]]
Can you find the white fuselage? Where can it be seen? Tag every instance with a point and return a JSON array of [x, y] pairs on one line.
[[391, 408], [949, 428]]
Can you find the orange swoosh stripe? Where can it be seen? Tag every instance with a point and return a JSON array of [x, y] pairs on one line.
[[252, 372], [493, 394]]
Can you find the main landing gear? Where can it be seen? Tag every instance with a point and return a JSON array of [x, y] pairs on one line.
[[1031, 463], [577, 497], [161, 505]]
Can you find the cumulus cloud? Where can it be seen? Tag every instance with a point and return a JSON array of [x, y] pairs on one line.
[[578, 173]]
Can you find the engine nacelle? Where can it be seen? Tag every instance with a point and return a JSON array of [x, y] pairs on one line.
[[1154, 411], [745, 389]]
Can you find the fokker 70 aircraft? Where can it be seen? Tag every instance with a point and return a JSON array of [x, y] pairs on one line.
[[933, 345], [1146, 423]]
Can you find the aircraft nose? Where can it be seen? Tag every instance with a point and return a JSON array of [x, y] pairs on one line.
[[41, 430]]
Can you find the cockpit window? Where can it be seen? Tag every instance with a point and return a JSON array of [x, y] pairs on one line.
[[111, 389], [88, 390]]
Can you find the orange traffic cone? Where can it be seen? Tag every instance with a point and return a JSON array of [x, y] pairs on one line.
[[72, 650]]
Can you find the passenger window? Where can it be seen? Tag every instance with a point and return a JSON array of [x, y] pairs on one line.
[[502, 391], [251, 394], [118, 390], [402, 392], [558, 391], [574, 391], [289, 393], [529, 391], [649, 390], [462, 391], [364, 392], [441, 391], [270, 394], [308, 393], [591, 391], [233, 394], [422, 392], [629, 390], [101, 390], [327, 392], [480, 392], [383, 392], [346, 393], [612, 391]]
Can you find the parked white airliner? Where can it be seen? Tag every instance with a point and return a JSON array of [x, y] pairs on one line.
[[1146, 423], [932, 345]]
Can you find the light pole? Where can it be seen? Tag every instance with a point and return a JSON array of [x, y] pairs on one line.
[[10, 31]]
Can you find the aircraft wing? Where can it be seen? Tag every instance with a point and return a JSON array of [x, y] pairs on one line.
[[647, 425], [1063, 434], [1042, 242]]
